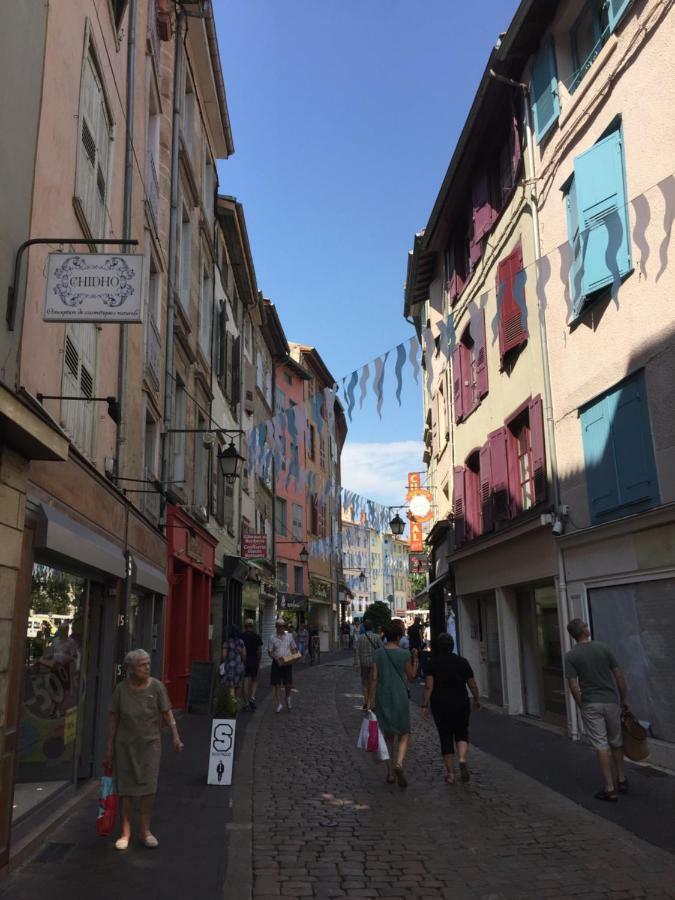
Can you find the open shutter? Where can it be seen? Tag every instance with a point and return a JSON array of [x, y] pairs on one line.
[[458, 505], [102, 159], [538, 450], [85, 179], [574, 235], [631, 437], [599, 458], [516, 153], [480, 351], [236, 371], [615, 11], [483, 212], [469, 396], [457, 382], [499, 467], [603, 216], [487, 514], [455, 277], [544, 90], [511, 330]]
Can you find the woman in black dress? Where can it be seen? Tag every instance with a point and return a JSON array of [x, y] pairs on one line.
[[447, 678]]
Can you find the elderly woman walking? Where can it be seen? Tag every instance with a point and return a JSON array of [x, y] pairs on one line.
[[138, 708], [389, 696], [447, 678]]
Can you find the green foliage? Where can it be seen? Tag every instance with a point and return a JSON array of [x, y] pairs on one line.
[[378, 613], [417, 584], [53, 591]]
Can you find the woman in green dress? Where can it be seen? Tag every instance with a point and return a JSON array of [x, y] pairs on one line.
[[392, 669], [138, 708]]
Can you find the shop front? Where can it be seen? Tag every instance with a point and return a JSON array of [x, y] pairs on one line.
[[321, 612], [187, 626]]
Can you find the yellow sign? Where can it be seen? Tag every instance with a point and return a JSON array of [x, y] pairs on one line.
[[70, 725]]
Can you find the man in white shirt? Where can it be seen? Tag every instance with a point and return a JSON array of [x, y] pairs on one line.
[[281, 677]]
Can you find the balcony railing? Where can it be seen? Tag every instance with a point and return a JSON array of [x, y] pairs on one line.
[[150, 500], [152, 190], [153, 353]]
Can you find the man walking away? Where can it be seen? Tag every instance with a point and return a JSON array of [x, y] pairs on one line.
[[281, 677], [364, 648], [253, 643], [594, 676]]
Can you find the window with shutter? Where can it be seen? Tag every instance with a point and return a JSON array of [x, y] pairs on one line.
[[456, 269], [499, 467], [597, 219], [485, 474], [483, 212], [616, 11], [472, 496], [457, 382], [236, 372], [618, 451], [480, 354], [94, 140], [510, 296], [79, 380], [544, 90], [536, 414], [458, 506]]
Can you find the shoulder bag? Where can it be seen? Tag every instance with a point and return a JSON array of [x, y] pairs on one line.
[[405, 684]]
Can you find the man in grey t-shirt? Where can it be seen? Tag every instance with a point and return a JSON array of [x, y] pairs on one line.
[[595, 679]]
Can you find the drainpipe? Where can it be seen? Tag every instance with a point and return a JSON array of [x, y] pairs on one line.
[[120, 436], [171, 280], [531, 180]]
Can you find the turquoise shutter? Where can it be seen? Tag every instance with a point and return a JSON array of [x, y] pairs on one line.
[[599, 457], [544, 90], [603, 216], [631, 436], [574, 237], [615, 11]]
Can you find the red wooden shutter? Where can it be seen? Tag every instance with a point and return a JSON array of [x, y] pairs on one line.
[[469, 397], [511, 331], [472, 503], [458, 505], [457, 382], [499, 466], [515, 487], [483, 212], [486, 489], [538, 450], [456, 278], [480, 350], [515, 148]]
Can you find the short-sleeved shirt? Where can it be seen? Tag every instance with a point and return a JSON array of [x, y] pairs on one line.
[[450, 673], [252, 641], [592, 663], [281, 646]]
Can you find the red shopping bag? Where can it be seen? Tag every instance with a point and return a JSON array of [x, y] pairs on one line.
[[107, 803], [373, 735]]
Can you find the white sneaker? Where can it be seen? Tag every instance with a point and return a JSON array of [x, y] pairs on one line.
[[289, 705], [280, 708]]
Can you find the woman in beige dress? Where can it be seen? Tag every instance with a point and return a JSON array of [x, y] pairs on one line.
[[138, 708]]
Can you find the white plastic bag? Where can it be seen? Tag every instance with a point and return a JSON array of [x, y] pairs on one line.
[[362, 743]]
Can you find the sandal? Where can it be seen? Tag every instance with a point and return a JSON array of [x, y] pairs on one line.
[[464, 773], [400, 776], [121, 843], [450, 779], [149, 840], [391, 779], [609, 796], [623, 786]]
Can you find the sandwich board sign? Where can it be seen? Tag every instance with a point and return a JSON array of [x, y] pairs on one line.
[[94, 287], [221, 751]]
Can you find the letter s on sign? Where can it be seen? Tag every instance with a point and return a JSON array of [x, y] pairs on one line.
[[222, 738]]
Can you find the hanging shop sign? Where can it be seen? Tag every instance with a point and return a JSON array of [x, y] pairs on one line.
[[254, 546], [416, 537], [419, 563], [94, 287], [221, 751]]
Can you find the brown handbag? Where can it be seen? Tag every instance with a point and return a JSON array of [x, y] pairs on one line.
[[635, 743]]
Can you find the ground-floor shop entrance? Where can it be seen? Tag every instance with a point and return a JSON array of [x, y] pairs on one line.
[[541, 653]]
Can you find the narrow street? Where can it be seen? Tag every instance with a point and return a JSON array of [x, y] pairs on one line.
[[309, 815]]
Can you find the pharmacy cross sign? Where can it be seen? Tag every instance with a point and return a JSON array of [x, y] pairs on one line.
[[94, 287]]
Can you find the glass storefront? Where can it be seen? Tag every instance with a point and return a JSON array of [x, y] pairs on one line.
[[52, 708]]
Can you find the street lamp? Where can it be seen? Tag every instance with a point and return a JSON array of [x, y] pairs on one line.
[[304, 555], [397, 525], [362, 578], [230, 463]]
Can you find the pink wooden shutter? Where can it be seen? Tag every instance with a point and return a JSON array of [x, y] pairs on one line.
[[538, 450], [480, 349], [486, 488], [458, 505], [469, 398], [483, 213], [456, 279], [511, 331], [457, 382], [515, 487], [499, 466], [515, 149]]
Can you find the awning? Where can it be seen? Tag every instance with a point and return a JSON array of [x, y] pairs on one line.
[[150, 577], [236, 568], [69, 540], [437, 582]]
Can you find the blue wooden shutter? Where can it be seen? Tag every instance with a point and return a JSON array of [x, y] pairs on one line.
[[631, 436], [544, 90], [603, 216], [603, 494], [615, 11], [574, 236]]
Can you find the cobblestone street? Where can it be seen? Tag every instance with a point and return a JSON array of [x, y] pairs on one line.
[[327, 825]]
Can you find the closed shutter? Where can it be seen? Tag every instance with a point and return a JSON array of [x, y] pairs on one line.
[[457, 382], [603, 216], [544, 90], [483, 212], [599, 458], [511, 330], [480, 352], [499, 466], [458, 505], [487, 514], [85, 184], [236, 371], [79, 380], [538, 449], [628, 414], [615, 11]]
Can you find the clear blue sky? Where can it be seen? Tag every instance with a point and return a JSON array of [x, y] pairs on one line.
[[344, 115]]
